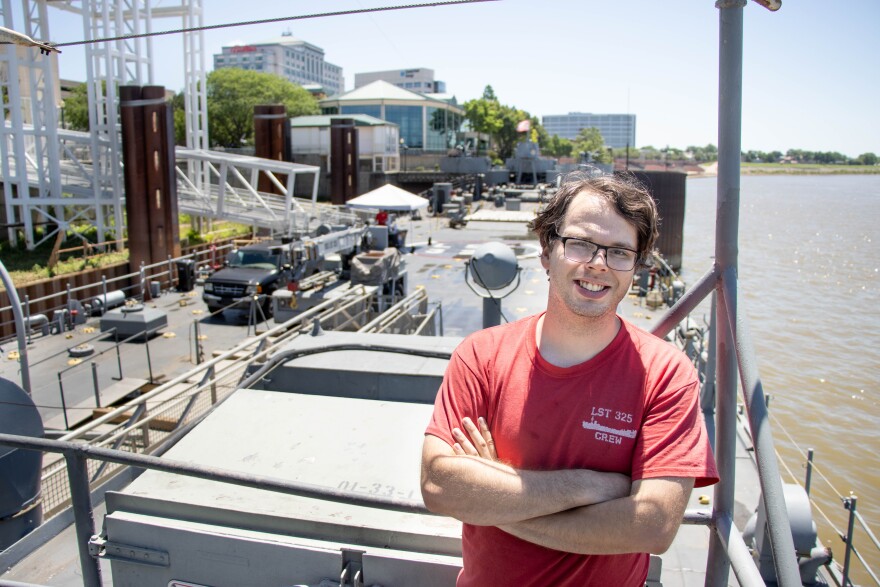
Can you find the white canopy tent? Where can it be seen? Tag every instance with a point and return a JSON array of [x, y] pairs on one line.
[[388, 197]]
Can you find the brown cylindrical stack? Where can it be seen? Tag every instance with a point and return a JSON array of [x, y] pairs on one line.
[[150, 182], [136, 213], [271, 140], [343, 160]]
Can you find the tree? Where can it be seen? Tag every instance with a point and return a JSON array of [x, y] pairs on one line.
[[76, 108], [484, 115], [590, 141], [488, 116], [704, 154], [867, 159], [557, 146], [507, 136], [178, 108], [232, 94]]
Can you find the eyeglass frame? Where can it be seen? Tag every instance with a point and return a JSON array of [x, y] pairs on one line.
[[565, 239]]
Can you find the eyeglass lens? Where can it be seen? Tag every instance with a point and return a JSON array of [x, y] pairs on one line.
[[583, 252]]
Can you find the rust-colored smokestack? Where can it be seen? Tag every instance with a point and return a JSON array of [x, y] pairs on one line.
[[154, 126], [343, 160], [271, 140], [136, 213]]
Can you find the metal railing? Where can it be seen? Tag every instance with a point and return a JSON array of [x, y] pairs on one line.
[[854, 519], [139, 424], [162, 273], [733, 351]]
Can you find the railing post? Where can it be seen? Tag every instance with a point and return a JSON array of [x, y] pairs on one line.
[[850, 504], [213, 385], [730, 42], [197, 335], [149, 361], [77, 475], [95, 384], [118, 354], [27, 317], [63, 403], [809, 477], [170, 274]]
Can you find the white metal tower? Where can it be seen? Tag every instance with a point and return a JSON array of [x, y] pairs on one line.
[[29, 135], [34, 152]]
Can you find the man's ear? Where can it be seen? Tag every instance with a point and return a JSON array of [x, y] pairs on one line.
[[545, 259]]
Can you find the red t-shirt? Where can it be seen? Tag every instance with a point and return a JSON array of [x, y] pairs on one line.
[[631, 409]]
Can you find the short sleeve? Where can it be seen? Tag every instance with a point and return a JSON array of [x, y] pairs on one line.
[[461, 394], [673, 441]]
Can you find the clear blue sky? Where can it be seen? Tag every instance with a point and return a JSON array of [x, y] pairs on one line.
[[811, 74]]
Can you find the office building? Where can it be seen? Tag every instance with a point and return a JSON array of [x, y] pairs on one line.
[[420, 79], [618, 130], [291, 58]]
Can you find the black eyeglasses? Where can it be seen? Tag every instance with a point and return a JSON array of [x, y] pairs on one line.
[[583, 251]]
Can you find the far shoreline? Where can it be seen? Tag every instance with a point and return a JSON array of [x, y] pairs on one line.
[[711, 170]]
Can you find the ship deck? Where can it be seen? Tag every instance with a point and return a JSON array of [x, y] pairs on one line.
[[434, 258]]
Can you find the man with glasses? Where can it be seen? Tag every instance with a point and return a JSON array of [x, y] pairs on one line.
[[568, 442]]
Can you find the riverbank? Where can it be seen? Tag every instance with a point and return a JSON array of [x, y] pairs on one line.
[[711, 169]]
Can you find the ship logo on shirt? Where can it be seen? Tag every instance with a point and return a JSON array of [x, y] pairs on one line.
[[608, 434]]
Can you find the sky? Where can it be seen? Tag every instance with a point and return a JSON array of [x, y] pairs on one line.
[[811, 71]]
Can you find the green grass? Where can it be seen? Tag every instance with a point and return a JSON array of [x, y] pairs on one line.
[[28, 266], [807, 169]]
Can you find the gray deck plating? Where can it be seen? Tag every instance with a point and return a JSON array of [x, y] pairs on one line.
[[301, 444]]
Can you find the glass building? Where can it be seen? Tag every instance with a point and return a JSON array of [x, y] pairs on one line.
[[618, 130], [427, 122]]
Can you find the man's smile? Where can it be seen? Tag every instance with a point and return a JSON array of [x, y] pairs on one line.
[[590, 286]]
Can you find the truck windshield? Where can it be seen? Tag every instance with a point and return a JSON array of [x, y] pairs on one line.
[[254, 259]]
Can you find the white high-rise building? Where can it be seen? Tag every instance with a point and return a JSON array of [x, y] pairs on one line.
[[618, 130], [419, 79], [291, 58]]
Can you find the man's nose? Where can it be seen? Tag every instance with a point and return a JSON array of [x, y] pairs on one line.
[[600, 253]]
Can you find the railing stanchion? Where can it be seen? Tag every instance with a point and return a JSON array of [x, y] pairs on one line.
[[149, 361], [196, 335], [77, 475], [212, 375], [95, 384], [118, 354], [850, 504], [809, 477], [27, 317], [170, 273], [63, 403]]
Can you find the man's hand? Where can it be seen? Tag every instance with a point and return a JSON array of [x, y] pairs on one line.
[[478, 441]]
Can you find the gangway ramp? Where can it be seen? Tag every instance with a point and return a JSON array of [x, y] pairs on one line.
[[210, 184], [225, 186]]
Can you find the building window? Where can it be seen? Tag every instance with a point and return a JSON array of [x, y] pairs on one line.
[[369, 110], [409, 119], [437, 139]]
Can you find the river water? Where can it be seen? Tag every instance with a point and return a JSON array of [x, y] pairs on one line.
[[809, 270]]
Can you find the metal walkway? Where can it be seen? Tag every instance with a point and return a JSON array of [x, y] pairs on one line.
[[210, 184]]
